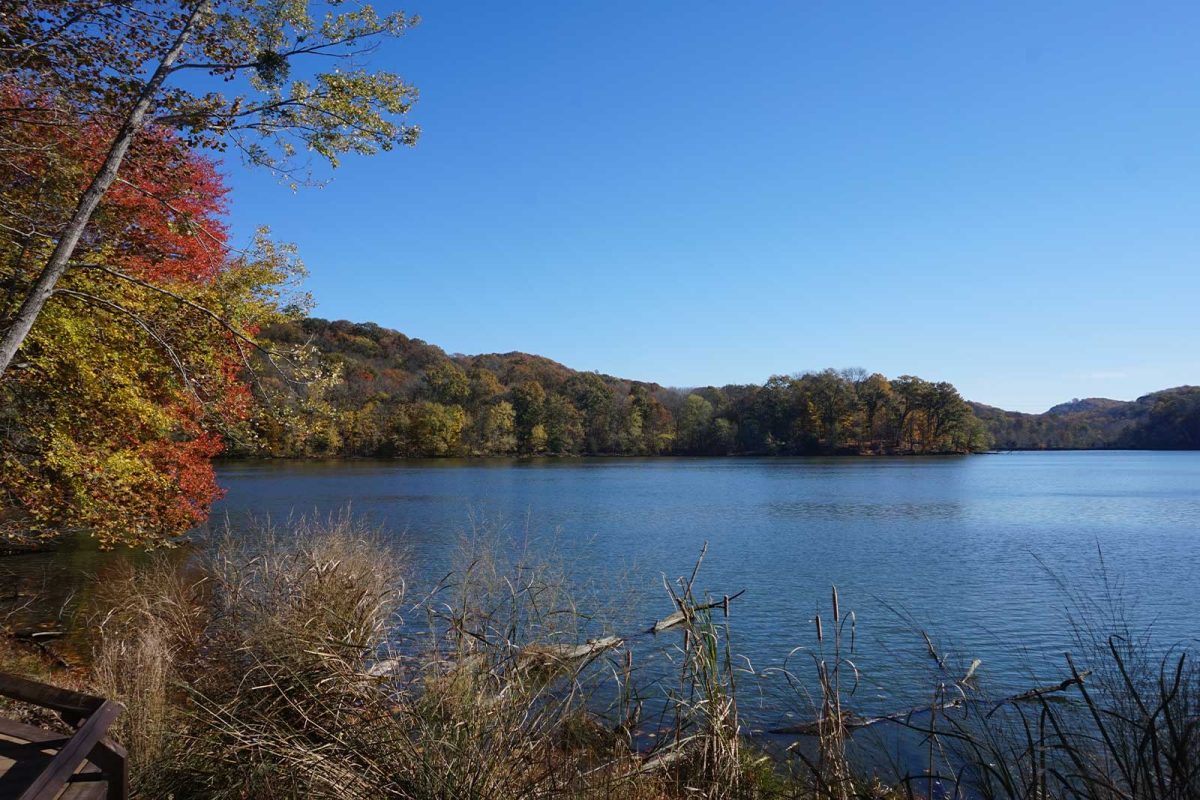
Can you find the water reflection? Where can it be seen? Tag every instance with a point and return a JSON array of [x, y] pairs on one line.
[[961, 547]]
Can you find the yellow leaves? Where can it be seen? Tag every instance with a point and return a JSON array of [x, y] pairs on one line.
[[102, 431]]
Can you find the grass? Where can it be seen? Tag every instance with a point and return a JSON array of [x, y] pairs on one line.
[[297, 665]]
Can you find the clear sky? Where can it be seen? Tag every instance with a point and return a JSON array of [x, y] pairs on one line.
[[1002, 195]]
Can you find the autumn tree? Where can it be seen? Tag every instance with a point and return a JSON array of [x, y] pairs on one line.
[[655, 423], [133, 378], [563, 423], [433, 429], [528, 401], [596, 402], [833, 402], [874, 395], [218, 73], [447, 383], [496, 429], [693, 424]]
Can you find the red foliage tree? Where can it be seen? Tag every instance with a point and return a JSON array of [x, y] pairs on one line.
[[135, 368]]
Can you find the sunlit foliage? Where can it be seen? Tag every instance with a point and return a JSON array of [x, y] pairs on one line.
[[122, 392], [398, 396]]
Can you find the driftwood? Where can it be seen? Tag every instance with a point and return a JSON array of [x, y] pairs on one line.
[[852, 722], [1034, 694], [541, 656], [671, 620], [667, 757]]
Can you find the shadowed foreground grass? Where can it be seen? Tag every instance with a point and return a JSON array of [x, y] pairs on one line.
[[295, 666]]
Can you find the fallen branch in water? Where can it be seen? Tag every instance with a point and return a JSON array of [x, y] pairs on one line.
[[543, 656], [671, 620], [1034, 694], [854, 722]]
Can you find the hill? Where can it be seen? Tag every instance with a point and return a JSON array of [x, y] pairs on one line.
[[365, 390], [359, 389], [1163, 420]]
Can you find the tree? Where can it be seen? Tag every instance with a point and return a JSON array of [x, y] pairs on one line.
[[833, 400], [125, 389], [909, 392], [528, 401], [563, 425], [595, 400], [433, 429], [657, 425], [693, 424], [90, 59], [874, 395], [496, 429], [447, 383], [485, 387]]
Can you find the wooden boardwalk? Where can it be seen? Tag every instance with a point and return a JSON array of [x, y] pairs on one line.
[[37, 764]]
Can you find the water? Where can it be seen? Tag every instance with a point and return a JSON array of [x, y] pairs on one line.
[[962, 547], [966, 548]]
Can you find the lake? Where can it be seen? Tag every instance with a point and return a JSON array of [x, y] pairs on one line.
[[966, 548]]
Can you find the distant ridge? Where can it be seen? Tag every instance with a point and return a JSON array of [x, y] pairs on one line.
[[384, 375], [1087, 404], [1168, 419]]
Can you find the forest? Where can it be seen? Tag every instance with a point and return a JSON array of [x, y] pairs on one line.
[[367, 391], [370, 391], [1163, 420]]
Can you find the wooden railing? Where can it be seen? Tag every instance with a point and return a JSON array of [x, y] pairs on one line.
[[43, 765]]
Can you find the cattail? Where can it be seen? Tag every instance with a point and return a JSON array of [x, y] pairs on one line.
[[836, 616], [820, 630]]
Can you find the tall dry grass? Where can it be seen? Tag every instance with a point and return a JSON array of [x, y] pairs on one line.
[[295, 665], [1123, 723]]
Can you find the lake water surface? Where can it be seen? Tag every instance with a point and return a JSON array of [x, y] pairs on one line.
[[966, 548]]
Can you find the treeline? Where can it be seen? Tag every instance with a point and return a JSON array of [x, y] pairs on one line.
[[1164, 420], [370, 391]]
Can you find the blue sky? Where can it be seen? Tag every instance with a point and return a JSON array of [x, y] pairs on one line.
[[1005, 196]]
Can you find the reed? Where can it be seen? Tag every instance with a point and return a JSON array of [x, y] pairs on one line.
[[297, 664]]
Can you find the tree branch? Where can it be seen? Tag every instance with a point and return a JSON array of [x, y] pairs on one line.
[[238, 337], [141, 323]]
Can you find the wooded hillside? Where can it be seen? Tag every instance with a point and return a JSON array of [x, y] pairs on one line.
[[371, 391], [1163, 420]]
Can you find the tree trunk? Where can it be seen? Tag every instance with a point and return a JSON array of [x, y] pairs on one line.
[[43, 288]]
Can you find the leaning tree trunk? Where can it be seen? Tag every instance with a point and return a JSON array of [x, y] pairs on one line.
[[43, 288]]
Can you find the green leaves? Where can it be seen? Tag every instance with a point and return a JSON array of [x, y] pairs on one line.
[[271, 80]]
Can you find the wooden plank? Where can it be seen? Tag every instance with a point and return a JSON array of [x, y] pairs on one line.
[[112, 758], [64, 764], [26, 769], [39, 694], [28, 733], [85, 791]]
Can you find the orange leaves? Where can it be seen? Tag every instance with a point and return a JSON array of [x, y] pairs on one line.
[[133, 371]]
